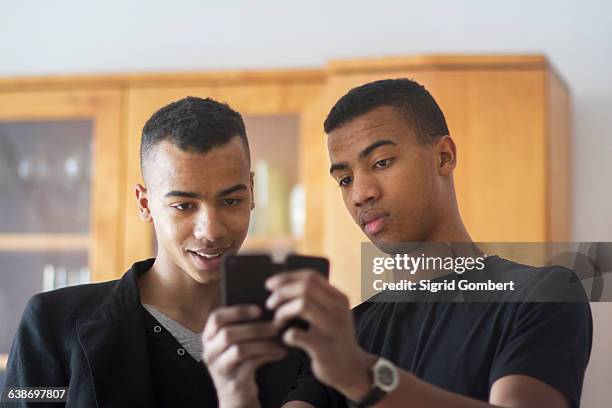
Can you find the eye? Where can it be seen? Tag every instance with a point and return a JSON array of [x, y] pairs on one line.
[[381, 164], [231, 202], [345, 181], [182, 206]]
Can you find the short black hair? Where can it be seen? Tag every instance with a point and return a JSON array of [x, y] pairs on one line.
[[194, 125], [410, 98]]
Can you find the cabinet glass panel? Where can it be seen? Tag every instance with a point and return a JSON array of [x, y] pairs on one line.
[[278, 216], [45, 183], [25, 273], [45, 173]]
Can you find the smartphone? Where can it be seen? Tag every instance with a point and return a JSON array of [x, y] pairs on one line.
[[243, 278]]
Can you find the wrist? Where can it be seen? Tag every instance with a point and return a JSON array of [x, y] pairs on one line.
[[234, 400], [385, 379], [358, 380], [239, 404]]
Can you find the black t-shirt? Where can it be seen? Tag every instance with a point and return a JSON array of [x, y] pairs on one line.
[[465, 347], [180, 381]]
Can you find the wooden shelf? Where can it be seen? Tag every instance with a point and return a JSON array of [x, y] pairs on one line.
[[210, 78], [3, 361], [44, 242]]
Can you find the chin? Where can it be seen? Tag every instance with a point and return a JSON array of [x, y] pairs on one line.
[[390, 244], [383, 244], [206, 277], [386, 247]]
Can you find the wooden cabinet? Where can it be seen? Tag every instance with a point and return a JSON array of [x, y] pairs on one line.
[[509, 115], [511, 120]]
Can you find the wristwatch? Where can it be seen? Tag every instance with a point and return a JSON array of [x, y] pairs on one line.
[[386, 380]]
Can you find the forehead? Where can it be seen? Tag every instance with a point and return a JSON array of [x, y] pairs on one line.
[[175, 169], [384, 122]]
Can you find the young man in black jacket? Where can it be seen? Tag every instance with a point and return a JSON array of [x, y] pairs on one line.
[[137, 341]]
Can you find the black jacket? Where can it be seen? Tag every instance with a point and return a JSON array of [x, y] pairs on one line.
[[91, 339]]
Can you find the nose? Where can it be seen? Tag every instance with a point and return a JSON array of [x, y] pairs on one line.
[[365, 190], [209, 225]]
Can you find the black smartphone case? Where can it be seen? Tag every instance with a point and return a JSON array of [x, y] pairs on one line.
[[243, 278]]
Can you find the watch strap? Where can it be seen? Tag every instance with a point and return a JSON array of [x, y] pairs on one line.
[[372, 397]]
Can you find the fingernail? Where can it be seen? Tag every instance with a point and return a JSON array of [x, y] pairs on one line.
[[270, 283], [287, 336], [270, 302]]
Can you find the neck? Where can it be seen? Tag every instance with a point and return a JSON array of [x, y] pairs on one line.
[[454, 238], [176, 294], [449, 225]]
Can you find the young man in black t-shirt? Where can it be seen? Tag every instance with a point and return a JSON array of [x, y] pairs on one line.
[[393, 159], [467, 347]]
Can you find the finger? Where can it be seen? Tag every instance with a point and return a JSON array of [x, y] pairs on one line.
[[289, 291], [301, 339], [237, 333], [228, 315], [311, 279], [290, 276], [238, 353], [303, 308], [293, 284]]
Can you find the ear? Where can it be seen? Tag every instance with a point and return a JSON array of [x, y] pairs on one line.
[[142, 198], [446, 152], [252, 190]]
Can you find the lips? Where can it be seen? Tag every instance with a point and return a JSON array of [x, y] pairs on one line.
[[373, 221], [208, 253], [208, 259]]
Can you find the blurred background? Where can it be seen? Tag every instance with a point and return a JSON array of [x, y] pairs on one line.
[[525, 86]]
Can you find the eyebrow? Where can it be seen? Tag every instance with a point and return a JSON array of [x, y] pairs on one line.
[[234, 189], [198, 196], [364, 153], [383, 142], [186, 194]]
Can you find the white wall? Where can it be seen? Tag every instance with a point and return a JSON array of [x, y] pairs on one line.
[[118, 36], [64, 36]]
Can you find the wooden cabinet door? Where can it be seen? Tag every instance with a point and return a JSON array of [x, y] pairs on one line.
[[60, 169], [57, 137]]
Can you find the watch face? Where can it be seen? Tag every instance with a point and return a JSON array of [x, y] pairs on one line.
[[385, 376]]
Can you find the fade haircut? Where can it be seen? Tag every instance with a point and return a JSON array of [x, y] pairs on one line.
[[194, 125], [411, 100]]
